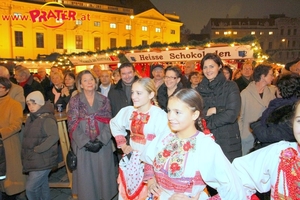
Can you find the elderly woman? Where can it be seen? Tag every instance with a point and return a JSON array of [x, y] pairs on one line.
[[10, 124], [88, 122]]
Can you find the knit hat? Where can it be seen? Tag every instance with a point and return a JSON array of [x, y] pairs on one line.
[[288, 65], [37, 97]]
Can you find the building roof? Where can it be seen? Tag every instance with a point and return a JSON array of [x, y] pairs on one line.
[[242, 21], [138, 6]]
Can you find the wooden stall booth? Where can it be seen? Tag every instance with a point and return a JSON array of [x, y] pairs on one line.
[[87, 62]]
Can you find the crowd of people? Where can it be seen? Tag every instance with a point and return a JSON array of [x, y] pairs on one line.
[[217, 133]]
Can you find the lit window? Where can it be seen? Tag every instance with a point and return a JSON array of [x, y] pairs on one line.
[[128, 27], [96, 23], [144, 28], [261, 33], [113, 25], [78, 22], [217, 33], [229, 32], [234, 33], [225, 33], [271, 33], [252, 32], [157, 30]]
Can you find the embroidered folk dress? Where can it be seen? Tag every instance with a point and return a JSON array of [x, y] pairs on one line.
[[275, 167], [143, 127], [187, 165]]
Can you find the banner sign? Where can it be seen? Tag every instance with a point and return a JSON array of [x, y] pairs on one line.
[[237, 52], [91, 60]]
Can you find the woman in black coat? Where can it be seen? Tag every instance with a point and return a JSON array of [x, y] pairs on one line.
[[170, 86], [276, 124], [222, 104]]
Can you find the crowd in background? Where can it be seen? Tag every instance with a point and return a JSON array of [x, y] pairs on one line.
[[111, 113]]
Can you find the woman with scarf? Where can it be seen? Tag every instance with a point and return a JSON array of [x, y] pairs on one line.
[[89, 114]]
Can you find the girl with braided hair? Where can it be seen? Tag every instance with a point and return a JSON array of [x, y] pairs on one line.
[[181, 164], [275, 167], [145, 120]]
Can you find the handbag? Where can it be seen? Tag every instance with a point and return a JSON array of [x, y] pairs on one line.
[[71, 159]]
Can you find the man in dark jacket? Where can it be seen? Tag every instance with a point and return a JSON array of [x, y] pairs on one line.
[[246, 78], [120, 96], [25, 80], [45, 80]]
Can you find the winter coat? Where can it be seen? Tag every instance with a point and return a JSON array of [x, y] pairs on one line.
[[17, 93], [251, 110], [94, 177], [276, 123], [2, 159], [242, 83], [10, 125], [51, 97], [162, 95], [225, 96], [64, 100], [117, 97], [39, 146]]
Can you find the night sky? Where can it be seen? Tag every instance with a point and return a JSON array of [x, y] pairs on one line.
[[196, 13]]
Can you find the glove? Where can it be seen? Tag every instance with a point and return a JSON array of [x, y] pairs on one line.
[[93, 146]]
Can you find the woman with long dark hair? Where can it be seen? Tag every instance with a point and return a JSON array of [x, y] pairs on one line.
[[222, 104]]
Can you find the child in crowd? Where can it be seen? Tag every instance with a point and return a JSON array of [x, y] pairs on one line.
[[145, 122], [275, 167], [185, 161], [39, 146]]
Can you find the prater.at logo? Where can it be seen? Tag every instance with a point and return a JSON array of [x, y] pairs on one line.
[[62, 15]]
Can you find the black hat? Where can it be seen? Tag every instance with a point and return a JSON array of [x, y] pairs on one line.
[[288, 65], [157, 66]]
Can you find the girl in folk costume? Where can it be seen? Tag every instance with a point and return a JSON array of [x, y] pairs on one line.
[[145, 121], [275, 167], [185, 161]]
